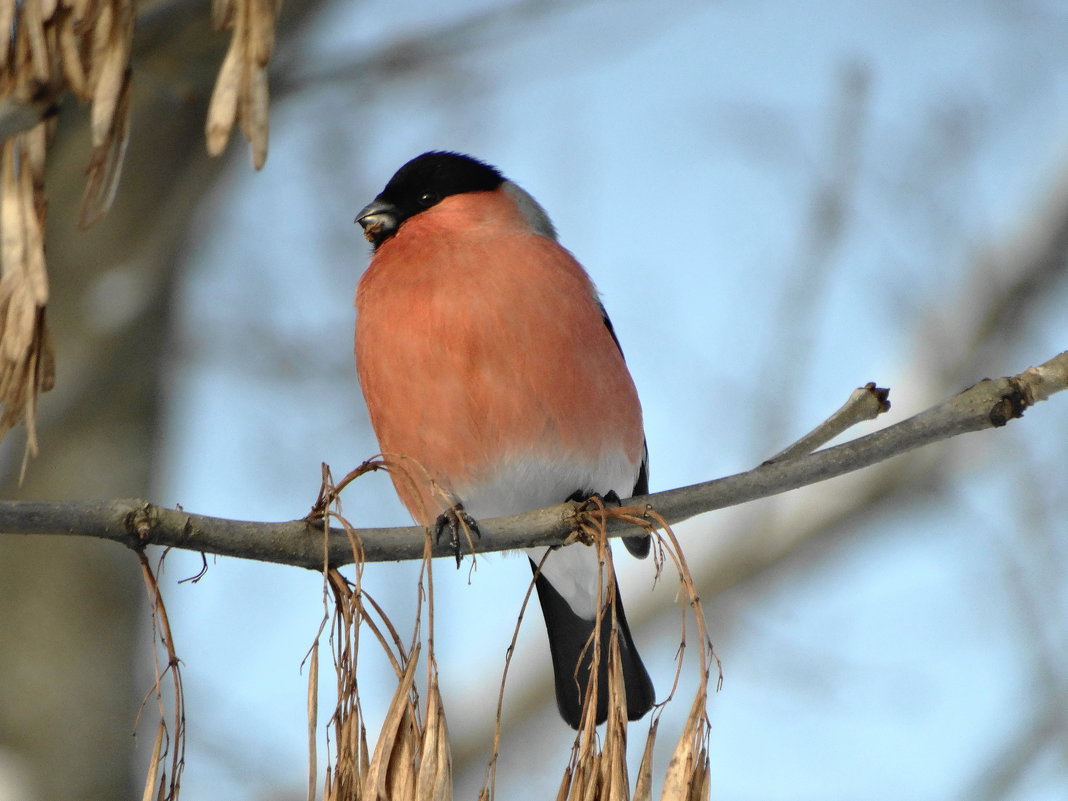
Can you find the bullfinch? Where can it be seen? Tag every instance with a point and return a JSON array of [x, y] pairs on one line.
[[485, 355]]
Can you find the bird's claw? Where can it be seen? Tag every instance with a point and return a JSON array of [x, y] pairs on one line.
[[588, 501], [455, 519], [638, 544]]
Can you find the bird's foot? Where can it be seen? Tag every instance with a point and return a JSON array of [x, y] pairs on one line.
[[639, 544], [588, 501], [454, 520]]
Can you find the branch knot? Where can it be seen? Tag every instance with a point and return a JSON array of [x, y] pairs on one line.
[[1012, 404], [139, 524]]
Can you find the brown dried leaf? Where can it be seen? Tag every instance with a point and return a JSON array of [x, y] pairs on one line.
[[7, 22], [154, 764], [701, 782], [400, 775], [111, 78], [105, 163], [613, 757], [262, 17], [33, 26], [12, 242], [33, 250], [434, 781], [34, 148], [570, 787], [255, 116], [643, 788], [17, 330], [683, 769], [101, 41], [261, 31], [565, 785], [222, 110], [394, 741], [365, 752]]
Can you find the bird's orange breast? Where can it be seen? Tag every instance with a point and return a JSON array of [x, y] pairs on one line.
[[479, 343]]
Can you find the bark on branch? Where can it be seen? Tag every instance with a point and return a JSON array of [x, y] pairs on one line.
[[136, 523]]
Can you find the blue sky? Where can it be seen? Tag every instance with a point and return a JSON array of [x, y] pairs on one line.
[[679, 155]]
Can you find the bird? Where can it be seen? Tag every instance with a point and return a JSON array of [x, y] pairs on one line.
[[486, 357]]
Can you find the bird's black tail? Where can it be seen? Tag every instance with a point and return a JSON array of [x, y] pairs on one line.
[[569, 635]]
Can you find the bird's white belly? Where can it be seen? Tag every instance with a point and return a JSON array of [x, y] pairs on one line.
[[522, 485]]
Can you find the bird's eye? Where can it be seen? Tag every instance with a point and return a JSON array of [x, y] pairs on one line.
[[428, 198]]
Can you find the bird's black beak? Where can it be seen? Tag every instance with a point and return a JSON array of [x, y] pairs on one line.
[[379, 220]]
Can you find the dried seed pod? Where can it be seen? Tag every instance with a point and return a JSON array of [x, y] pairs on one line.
[[222, 110], [105, 162], [70, 56]]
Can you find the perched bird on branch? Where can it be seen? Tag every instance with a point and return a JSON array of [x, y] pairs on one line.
[[486, 357]]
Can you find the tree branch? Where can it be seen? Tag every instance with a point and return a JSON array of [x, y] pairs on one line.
[[135, 523], [865, 403]]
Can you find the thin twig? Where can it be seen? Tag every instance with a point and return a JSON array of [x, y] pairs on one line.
[[864, 403]]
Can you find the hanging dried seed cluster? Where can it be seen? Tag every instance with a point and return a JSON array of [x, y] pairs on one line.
[[26, 359], [241, 89], [49, 48], [411, 760], [52, 47], [598, 767]]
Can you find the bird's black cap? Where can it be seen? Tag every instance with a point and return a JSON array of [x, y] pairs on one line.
[[421, 183]]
